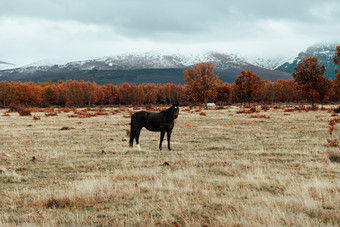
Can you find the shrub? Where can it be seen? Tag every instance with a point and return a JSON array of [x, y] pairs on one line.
[[333, 143], [23, 111], [36, 109], [14, 107], [36, 118], [277, 107], [264, 107], [101, 113], [51, 114], [289, 110], [331, 124], [66, 110], [252, 109], [260, 116]]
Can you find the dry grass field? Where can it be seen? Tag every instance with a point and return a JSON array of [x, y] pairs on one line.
[[226, 169]]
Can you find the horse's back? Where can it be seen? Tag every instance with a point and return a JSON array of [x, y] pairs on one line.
[[149, 120], [141, 115]]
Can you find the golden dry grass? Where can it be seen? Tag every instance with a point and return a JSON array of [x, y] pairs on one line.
[[226, 169]]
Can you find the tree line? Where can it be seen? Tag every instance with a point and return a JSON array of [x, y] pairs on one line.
[[202, 86], [81, 93]]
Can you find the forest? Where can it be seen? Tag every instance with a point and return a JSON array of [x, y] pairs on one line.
[[81, 93]]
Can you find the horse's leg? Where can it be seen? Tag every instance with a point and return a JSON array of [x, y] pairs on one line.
[[132, 134], [168, 137], [137, 138], [161, 141]]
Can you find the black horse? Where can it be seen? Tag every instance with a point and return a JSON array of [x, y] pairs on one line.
[[163, 122]]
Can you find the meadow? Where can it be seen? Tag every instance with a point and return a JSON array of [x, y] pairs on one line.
[[73, 167]]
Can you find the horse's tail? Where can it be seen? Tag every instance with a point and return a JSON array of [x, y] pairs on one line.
[[132, 132]]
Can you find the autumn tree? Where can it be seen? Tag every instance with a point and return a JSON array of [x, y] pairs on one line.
[[224, 93], [6, 94], [173, 93], [201, 82], [247, 86], [131, 94], [151, 92], [27, 93], [49, 95], [337, 58], [325, 89], [111, 94], [336, 84], [312, 83]]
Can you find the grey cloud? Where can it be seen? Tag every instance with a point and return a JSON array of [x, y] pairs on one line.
[[157, 23], [144, 18]]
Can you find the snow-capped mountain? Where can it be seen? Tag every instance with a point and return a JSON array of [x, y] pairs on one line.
[[149, 60], [325, 52], [137, 68], [133, 62], [268, 63], [152, 60]]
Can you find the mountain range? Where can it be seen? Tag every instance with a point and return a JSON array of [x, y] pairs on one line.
[[325, 53], [163, 68]]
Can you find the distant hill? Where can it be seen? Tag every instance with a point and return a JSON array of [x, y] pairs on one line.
[[324, 52], [137, 69], [139, 76]]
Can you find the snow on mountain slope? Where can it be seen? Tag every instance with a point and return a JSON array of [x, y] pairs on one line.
[[153, 60], [324, 52], [149, 60], [268, 63]]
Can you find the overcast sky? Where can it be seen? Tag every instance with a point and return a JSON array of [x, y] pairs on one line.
[[31, 30]]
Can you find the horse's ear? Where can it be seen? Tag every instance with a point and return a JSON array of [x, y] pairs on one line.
[[175, 104]]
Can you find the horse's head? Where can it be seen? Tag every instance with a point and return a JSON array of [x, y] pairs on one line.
[[175, 110]]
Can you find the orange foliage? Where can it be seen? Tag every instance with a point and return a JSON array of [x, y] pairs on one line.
[[201, 82], [336, 84], [224, 92], [279, 91], [331, 124], [312, 83], [247, 86]]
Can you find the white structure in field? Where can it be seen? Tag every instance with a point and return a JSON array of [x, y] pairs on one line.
[[211, 104]]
